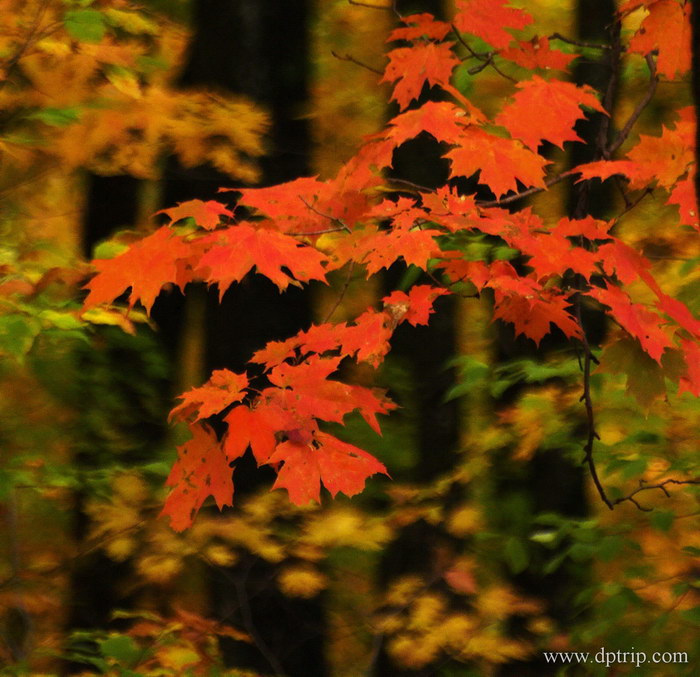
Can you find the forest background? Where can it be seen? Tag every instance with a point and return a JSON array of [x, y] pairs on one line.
[[490, 543]]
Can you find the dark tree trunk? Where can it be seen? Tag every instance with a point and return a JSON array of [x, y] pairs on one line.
[[424, 352], [695, 20], [553, 483], [257, 49]]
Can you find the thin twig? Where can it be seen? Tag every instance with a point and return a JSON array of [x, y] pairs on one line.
[[486, 58], [318, 232], [357, 62], [342, 226], [386, 8], [578, 43], [343, 291], [614, 58], [643, 486], [639, 108], [525, 193], [588, 403]]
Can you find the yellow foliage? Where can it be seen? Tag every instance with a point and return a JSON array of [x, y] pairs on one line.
[[425, 611], [220, 555], [178, 657], [413, 651], [465, 520], [301, 581], [159, 568], [403, 591], [347, 527]]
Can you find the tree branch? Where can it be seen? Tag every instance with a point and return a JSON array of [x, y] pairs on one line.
[[357, 62], [578, 43], [588, 403], [624, 132], [525, 193], [486, 58], [661, 486]]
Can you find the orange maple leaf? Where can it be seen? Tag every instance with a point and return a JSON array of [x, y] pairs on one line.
[[145, 266], [545, 110], [233, 253], [537, 53], [667, 29], [341, 467], [223, 388], [636, 319], [418, 26], [201, 470], [205, 214], [489, 19], [501, 162], [414, 66]]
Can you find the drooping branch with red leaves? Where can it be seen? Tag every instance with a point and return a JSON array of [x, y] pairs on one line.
[[301, 231]]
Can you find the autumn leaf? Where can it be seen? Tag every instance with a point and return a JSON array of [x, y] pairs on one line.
[[377, 249], [537, 53], [145, 266], [200, 471], [490, 20], [414, 307], [257, 428], [418, 26], [533, 316], [501, 163], [413, 66], [636, 319], [683, 195], [223, 388], [235, 251], [441, 119], [205, 214], [344, 467], [340, 466], [667, 29], [662, 159], [545, 110]]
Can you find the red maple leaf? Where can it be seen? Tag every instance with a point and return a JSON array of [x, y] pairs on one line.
[[500, 162], [201, 470], [636, 319], [341, 467], [233, 253], [414, 307], [441, 119], [536, 53], [545, 110], [223, 388], [257, 428], [489, 19], [534, 316], [145, 266], [414, 66], [205, 214], [684, 195], [418, 26], [667, 29]]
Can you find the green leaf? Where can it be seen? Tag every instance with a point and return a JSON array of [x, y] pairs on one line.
[[109, 249], [86, 25], [17, 334], [121, 648], [692, 615], [517, 556], [64, 320], [662, 519], [57, 117], [691, 550]]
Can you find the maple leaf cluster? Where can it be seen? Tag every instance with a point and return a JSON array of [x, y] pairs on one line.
[[304, 229]]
